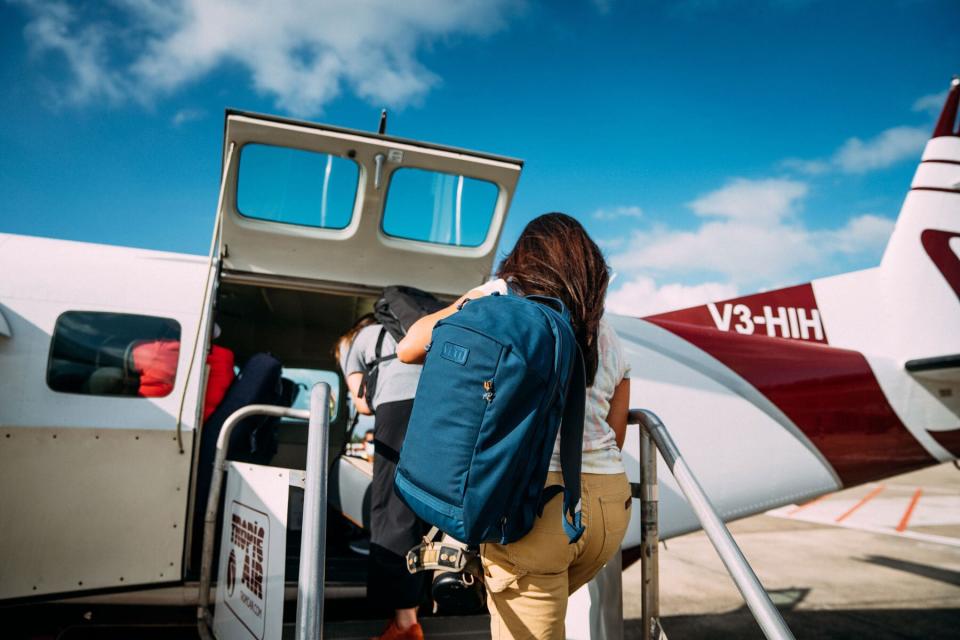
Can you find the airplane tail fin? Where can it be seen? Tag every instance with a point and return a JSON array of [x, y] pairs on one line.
[[921, 265], [919, 280]]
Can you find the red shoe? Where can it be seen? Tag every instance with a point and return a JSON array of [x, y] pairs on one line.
[[392, 632]]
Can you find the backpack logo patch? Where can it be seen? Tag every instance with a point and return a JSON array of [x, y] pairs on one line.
[[454, 352]]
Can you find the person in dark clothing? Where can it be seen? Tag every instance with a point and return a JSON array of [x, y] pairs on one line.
[[394, 528]]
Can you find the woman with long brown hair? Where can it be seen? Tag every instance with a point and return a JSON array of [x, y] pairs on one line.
[[528, 581]]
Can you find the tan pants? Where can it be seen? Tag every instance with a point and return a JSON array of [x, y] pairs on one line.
[[528, 581]]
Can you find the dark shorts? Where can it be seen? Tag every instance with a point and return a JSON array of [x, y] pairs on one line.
[[394, 528]]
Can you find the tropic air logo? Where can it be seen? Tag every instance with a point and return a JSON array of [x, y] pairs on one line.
[[245, 582], [249, 536]]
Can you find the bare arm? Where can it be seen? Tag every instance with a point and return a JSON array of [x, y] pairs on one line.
[[353, 386], [619, 407], [413, 348]]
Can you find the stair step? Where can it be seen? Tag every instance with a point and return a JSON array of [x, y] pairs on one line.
[[454, 627]]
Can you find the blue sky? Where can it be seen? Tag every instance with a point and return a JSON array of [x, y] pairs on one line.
[[710, 147]]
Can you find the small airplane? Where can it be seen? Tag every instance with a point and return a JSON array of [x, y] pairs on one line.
[[774, 398], [785, 395]]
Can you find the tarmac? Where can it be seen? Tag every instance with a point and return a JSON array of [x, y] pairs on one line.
[[879, 561]]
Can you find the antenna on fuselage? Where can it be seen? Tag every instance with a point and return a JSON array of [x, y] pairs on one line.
[[382, 129], [947, 123]]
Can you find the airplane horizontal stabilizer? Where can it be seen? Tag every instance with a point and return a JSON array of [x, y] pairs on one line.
[[939, 367]]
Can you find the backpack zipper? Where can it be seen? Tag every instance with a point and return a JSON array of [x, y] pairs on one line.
[[488, 390]]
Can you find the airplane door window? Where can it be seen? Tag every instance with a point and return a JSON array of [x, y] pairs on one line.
[[113, 354], [439, 207], [293, 186]]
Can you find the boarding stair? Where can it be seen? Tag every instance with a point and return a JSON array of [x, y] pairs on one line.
[[654, 437], [254, 500], [256, 496]]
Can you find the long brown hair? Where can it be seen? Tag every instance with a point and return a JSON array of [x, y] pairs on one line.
[[555, 257], [346, 340]]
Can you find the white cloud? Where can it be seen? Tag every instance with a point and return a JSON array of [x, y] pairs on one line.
[[752, 237], [864, 234], [642, 297], [754, 241], [742, 252], [754, 200], [617, 212], [55, 28], [302, 53], [183, 116], [883, 150], [931, 103], [807, 167]]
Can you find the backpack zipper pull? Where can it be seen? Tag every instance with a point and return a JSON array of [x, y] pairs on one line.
[[488, 390]]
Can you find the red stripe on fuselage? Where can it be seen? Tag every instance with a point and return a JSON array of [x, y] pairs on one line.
[[790, 313], [949, 440], [830, 394]]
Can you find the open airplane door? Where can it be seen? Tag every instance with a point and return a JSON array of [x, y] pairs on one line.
[[347, 209]]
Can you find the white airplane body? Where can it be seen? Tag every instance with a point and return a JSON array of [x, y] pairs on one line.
[[773, 398]]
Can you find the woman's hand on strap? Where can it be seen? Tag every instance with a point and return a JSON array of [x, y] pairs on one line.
[[413, 348]]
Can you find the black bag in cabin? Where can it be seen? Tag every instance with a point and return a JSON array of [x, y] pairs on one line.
[[396, 311], [399, 307]]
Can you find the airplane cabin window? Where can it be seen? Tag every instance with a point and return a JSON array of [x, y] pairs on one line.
[[304, 379], [113, 354], [439, 207], [293, 186]]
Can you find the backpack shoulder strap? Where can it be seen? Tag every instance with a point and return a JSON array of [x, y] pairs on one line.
[[379, 347], [368, 384], [571, 448], [377, 357]]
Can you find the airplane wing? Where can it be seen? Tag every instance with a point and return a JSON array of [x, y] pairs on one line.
[[940, 368]]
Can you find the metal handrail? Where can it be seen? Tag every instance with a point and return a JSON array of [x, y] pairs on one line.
[[310, 584], [313, 541], [654, 436]]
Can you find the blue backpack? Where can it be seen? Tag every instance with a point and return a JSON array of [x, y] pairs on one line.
[[500, 378]]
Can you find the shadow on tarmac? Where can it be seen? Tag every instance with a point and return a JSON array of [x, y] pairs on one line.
[[916, 568], [876, 624], [74, 622], [839, 624]]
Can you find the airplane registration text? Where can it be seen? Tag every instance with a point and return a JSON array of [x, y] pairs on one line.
[[779, 322]]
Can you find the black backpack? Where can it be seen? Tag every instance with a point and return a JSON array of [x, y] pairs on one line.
[[396, 311], [399, 307]]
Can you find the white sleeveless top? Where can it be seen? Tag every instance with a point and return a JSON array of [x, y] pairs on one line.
[[600, 452]]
